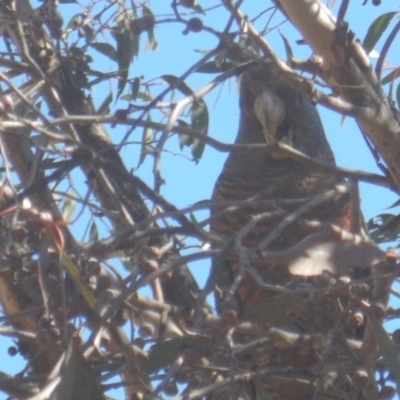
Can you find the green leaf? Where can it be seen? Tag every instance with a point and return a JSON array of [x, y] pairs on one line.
[[77, 377], [388, 349], [151, 40], [104, 108], [288, 48], [384, 228], [105, 49], [147, 137], [398, 95], [390, 92], [176, 84], [141, 95], [184, 140], [275, 310], [144, 96], [127, 48], [342, 119], [135, 86], [93, 232], [126, 97], [101, 78], [395, 204], [68, 208], [212, 67], [200, 121], [389, 78], [89, 34], [165, 353], [376, 30], [199, 114]]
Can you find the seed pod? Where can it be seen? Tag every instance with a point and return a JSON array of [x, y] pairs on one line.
[[360, 379], [193, 25], [12, 351], [171, 388]]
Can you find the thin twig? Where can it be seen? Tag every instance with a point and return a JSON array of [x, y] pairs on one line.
[[385, 49], [343, 9]]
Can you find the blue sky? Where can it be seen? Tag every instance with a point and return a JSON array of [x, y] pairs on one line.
[[187, 182]]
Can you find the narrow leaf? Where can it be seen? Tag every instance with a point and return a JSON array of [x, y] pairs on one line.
[[395, 204], [68, 208], [342, 119], [148, 136], [212, 67], [199, 114], [93, 232], [391, 77], [376, 30], [288, 48], [174, 82], [388, 349], [89, 34], [105, 49], [135, 86], [144, 96], [104, 108], [127, 48], [398, 94], [151, 42], [74, 273], [200, 121], [276, 310], [184, 140], [165, 353], [78, 379]]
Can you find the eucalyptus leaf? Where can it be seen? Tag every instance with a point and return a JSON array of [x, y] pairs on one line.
[[376, 30], [147, 137], [389, 350], [165, 353], [93, 232], [68, 208], [175, 82], [391, 77], [200, 121], [105, 49], [104, 108], [127, 48], [288, 48], [212, 67], [78, 379]]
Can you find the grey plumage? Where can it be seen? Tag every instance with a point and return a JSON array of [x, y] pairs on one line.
[[295, 121]]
